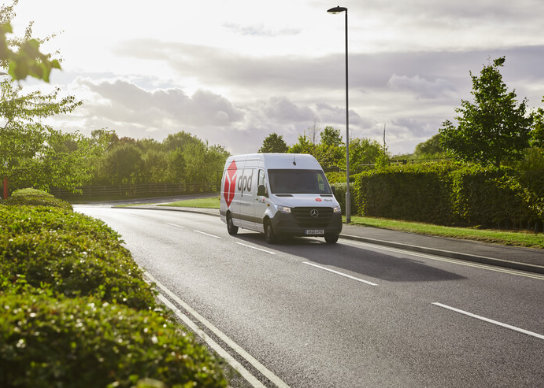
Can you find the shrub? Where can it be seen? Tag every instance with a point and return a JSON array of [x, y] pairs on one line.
[[340, 195], [33, 197], [491, 197], [450, 193], [83, 342], [70, 254], [410, 192]]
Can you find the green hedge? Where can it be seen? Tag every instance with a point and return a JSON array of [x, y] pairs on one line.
[[492, 197], [77, 312], [33, 197], [82, 342], [449, 194], [409, 192], [340, 195], [71, 254]]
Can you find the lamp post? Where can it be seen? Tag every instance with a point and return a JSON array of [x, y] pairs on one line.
[[339, 9]]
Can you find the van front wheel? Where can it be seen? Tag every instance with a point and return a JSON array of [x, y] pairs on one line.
[[233, 230], [331, 238], [269, 234]]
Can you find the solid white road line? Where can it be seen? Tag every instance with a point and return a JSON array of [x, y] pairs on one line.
[[233, 345], [340, 273], [214, 345], [252, 247], [539, 336], [206, 234]]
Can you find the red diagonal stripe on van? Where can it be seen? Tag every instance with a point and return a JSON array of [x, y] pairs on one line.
[[230, 183]]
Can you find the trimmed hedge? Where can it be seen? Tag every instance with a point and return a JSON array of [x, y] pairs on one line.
[[449, 194], [413, 192], [82, 342], [340, 195], [33, 197], [70, 253], [492, 197], [77, 312]]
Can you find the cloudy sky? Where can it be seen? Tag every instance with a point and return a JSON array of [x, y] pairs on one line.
[[233, 71]]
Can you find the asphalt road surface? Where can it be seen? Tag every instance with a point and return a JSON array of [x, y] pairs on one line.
[[307, 314]]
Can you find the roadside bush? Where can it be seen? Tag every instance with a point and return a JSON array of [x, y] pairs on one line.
[[409, 192], [70, 254], [33, 197], [492, 197], [336, 177], [47, 342], [340, 195], [451, 194], [76, 311], [531, 170]]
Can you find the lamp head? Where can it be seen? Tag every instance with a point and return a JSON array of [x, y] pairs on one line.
[[337, 9]]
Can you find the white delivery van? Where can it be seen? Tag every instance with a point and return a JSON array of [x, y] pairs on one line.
[[279, 195]]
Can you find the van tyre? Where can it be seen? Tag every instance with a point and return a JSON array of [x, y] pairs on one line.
[[233, 230], [269, 234], [331, 238]]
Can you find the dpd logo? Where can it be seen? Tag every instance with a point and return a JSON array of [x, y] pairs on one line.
[[230, 183]]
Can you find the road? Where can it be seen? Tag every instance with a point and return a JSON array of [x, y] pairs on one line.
[[307, 314]]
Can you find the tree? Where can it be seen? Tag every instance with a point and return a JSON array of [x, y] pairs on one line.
[[26, 145], [494, 128], [431, 146], [304, 146], [274, 143], [362, 153], [22, 57], [179, 140], [122, 165], [537, 133], [331, 137]]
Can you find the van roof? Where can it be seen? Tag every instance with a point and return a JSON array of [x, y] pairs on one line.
[[281, 161]]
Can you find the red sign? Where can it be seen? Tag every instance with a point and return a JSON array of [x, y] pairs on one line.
[[230, 183], [318, 199]]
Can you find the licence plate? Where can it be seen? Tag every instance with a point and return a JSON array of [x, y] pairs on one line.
[[314, 232]]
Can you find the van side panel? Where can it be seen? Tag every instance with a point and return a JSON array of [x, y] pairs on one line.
[[295, 212]]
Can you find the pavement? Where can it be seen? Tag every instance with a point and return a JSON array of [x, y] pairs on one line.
[[524, 259]]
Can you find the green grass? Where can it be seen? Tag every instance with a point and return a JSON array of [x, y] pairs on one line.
[[202, 203], [524, 239], [514, 238]]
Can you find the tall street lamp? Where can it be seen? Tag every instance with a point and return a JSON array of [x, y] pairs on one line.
[[339, 9]]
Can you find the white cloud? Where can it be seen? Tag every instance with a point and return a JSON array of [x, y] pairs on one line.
[[233, 72], [421, 87], [126, 102]]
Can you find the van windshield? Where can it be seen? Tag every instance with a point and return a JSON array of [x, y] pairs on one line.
[[292, 181]]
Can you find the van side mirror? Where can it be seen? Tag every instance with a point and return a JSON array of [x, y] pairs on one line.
[[261, 191], [333, 190]]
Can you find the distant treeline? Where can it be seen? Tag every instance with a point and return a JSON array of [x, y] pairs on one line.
[[182, 162]]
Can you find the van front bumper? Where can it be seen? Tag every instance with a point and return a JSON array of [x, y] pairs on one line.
[[287, 224]]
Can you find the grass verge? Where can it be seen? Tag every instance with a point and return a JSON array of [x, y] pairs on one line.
[[513, 238], [202, 203]]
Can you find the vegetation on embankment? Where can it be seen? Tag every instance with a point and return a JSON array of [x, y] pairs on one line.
[[450, 194], [202, 203], [76, 310], [504, 237]]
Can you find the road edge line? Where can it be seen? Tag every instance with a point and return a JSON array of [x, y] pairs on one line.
[[233, 345], [214, 345]]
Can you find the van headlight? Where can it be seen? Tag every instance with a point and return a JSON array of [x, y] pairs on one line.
[[337, 210], [284, 209]]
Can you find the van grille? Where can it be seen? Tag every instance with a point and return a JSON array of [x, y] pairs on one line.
[[306, 217]]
